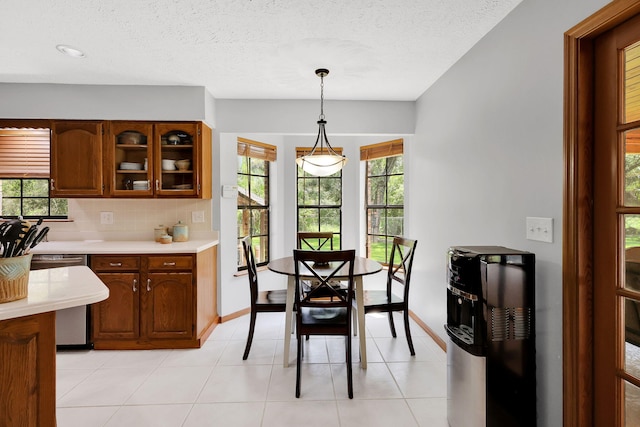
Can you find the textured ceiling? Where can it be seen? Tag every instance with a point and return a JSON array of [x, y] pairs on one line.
[[246, 49]]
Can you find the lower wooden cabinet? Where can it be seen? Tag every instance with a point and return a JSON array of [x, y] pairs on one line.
[[155, 301], [28, 371]]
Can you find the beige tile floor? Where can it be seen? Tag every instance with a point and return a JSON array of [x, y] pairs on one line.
[[213, 386]]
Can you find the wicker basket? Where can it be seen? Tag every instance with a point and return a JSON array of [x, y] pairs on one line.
[[14, 277]]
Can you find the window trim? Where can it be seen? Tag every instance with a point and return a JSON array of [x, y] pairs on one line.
[[21, 166], [378, 151], [262, 152], [22, 199], [301, 151]]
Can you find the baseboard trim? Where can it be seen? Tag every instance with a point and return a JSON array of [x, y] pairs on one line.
[[235, 315], [439, 341]]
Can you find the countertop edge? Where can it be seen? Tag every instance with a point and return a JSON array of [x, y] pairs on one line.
[[63, 291], [123, 247]]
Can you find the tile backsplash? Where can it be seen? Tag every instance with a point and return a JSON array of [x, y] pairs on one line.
[[133, 219]]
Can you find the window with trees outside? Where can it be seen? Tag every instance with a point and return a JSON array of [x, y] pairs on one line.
[[24, 175], [384, 196], [253, 198], [319, 201]]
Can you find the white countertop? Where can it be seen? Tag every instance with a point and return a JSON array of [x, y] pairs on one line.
[[54, 289], [96, 247]]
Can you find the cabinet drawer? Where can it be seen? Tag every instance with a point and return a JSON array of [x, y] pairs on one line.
[[115, 263], [176, 262]]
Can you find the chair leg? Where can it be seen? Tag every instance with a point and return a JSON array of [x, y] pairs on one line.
[[408, 332], [252, 327], [391, 324], [298, 364], [354, 321], [349, 367]]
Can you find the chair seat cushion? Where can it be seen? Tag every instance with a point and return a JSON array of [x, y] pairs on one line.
[[375, 298], [324, 316]]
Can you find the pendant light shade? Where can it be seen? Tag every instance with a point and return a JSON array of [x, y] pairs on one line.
[[322, 160]]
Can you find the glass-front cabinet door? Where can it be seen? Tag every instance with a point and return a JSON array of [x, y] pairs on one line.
[[132, 153], [177, 159]]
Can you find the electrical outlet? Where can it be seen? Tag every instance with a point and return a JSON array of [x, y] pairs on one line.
[[106, 217], [540, 229], [197, 216]]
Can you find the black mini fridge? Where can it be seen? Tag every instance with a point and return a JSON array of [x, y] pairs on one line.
[[491, 360]]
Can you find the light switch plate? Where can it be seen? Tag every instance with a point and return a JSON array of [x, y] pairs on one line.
[[229, 191], [540, 229]]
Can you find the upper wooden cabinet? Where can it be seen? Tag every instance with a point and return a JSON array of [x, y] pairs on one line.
[[134, 159], [76, 159], [129, 159], [159, 159]]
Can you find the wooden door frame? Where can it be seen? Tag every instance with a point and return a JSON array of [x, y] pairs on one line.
[[577, 236]]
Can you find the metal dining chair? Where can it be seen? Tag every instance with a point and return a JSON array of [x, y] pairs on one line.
[[398, 277], [261, 301], [316, 313]]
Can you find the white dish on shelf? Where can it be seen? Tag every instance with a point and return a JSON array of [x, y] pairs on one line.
[[140, 185], [130, 166]]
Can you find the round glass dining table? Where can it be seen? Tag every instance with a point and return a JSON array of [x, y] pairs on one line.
[[361, 267]]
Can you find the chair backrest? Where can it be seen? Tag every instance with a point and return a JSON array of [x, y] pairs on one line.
[[315, 240], [251, 268], [323, 267], [400, 264]]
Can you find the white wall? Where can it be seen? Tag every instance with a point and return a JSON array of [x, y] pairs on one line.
[[98, 102], [488, 153]]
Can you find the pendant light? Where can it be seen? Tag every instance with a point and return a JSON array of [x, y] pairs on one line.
[[323, 160]]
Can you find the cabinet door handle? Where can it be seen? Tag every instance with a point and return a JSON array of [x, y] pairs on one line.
[[157, 184], [115, 264], [169, 264], [135, 282], [148, 285], [53, 185]]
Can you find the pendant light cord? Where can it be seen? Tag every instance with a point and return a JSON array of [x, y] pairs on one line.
[[321, 97]]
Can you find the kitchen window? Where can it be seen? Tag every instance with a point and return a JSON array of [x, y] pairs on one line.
[[384, 196], [24, 175], [319, 202], [253, 198]]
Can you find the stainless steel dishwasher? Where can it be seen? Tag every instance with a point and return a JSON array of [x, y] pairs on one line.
[[72, 324]]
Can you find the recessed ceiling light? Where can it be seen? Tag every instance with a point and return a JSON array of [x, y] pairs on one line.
[[70, 51]]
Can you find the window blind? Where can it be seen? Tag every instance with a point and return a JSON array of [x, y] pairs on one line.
[[24, 153], [382, 149], [303, 151], [257, 150]]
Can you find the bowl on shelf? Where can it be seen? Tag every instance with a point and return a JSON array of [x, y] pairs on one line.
[[173, 140], [168, 165], [183, 165], [130, 166], [130, 137]]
